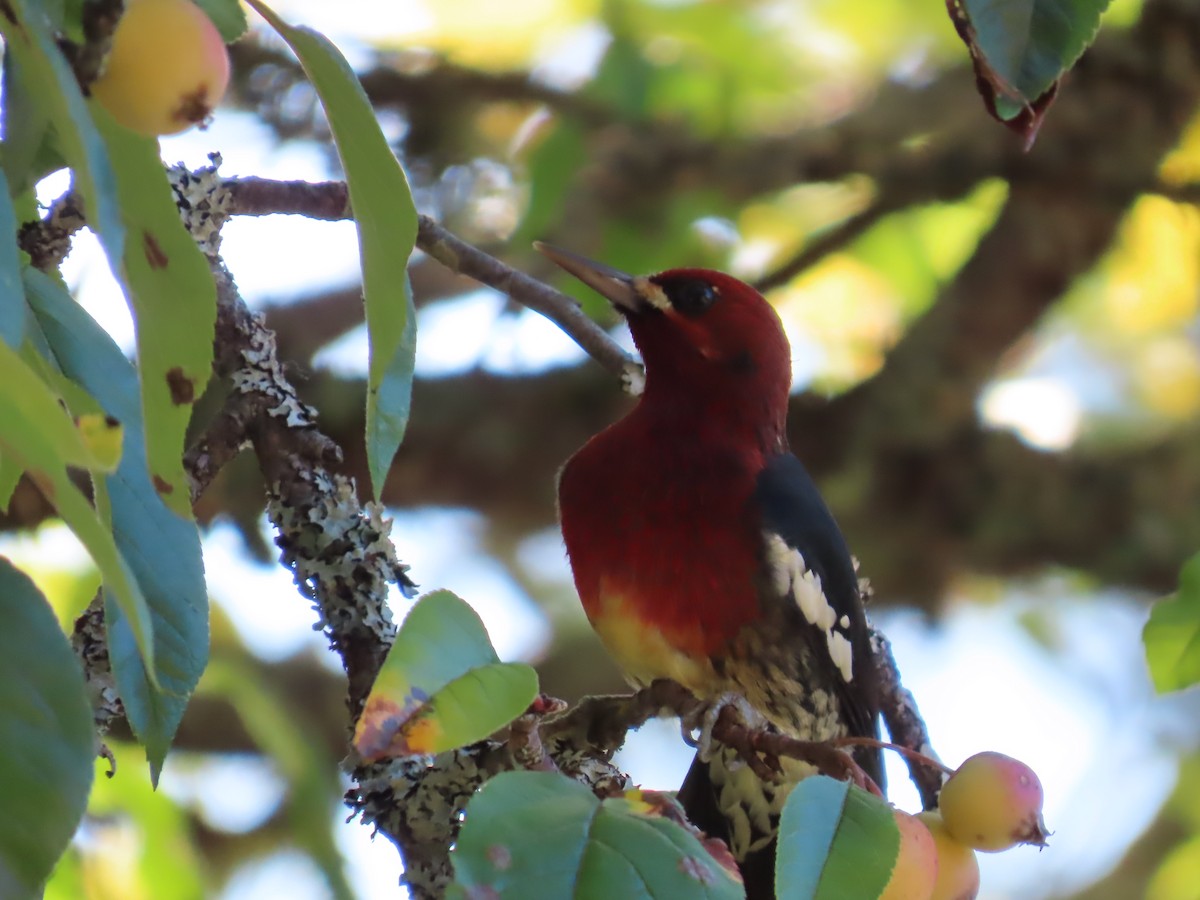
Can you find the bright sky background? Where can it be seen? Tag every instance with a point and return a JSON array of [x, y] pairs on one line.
[[1077, 706]]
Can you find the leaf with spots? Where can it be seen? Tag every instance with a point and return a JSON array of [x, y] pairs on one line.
[[161, 548], [46, 737], [38, 435], [1172, 635], [540, 834], [386, 218], [441, 686], [103, 436], [835, 840], [34, 423], [173, 298]]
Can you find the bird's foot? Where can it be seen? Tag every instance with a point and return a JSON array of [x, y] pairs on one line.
[[698, 727]]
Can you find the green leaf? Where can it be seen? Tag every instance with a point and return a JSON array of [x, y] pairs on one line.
[[33, 424], [227, 15], [13, 310], [1029, 44], [174, 300], [442, 685], [533, 835], [1172, 635], [634, 851], [46, 737], [466, 710], [39, 436], [29, 38], [387, 232], [162, 550], [26, 126], [835, 841]]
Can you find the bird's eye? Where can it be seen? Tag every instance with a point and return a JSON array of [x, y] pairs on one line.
[[691, 296]]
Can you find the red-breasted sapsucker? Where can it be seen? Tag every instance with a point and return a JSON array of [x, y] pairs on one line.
[[701, 549]]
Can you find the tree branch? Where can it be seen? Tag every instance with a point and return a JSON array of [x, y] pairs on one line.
[[90, 643], [904, 723], [820, 247], [48, 240], [420, 80], [330, 200]]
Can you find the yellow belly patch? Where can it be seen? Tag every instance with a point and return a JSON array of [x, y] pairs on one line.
[[644, 652]]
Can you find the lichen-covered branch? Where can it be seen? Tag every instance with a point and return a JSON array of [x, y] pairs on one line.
[[337, 549], [90, 643], [223, 439], [48, 240], [99, 21], [904, 723]]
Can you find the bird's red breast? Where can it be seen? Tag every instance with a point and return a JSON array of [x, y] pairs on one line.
[[665, 543], [658, 511]]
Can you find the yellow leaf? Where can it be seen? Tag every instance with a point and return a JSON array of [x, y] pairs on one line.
[[102, 435], [1155, 271], [1167, 375]]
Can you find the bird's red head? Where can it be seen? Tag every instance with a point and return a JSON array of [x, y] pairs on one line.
[[708, 340]]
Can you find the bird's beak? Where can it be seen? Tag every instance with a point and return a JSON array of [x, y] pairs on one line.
[[618, 288]]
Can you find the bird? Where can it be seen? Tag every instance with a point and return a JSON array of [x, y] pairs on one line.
[[702, 551]]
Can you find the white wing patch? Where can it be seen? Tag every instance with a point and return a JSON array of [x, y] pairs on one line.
[[841, 653], [791, 576]]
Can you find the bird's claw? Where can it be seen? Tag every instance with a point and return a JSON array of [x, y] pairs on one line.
[[704, 720]]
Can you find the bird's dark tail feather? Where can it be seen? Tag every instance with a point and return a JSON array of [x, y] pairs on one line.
[[698, 798]]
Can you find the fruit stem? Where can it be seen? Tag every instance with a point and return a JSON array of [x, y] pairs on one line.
[[914, 755]]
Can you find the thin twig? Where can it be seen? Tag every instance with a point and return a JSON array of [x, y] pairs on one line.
[[822, 246], [525, 739], [602, 723], [253, 196], [458, 255], [906, 752], [329, 200]]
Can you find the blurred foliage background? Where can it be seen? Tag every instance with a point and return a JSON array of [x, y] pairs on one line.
[[996, 353]]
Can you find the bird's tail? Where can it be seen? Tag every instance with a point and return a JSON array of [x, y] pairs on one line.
[[725, 799], [701, 800]]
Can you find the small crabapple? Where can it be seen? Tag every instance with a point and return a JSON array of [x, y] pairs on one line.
[[915, 872], [957, 869], [167, 70], [993, 802]]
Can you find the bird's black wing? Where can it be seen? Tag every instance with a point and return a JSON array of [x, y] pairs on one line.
[[810, 594], [793, 512]]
